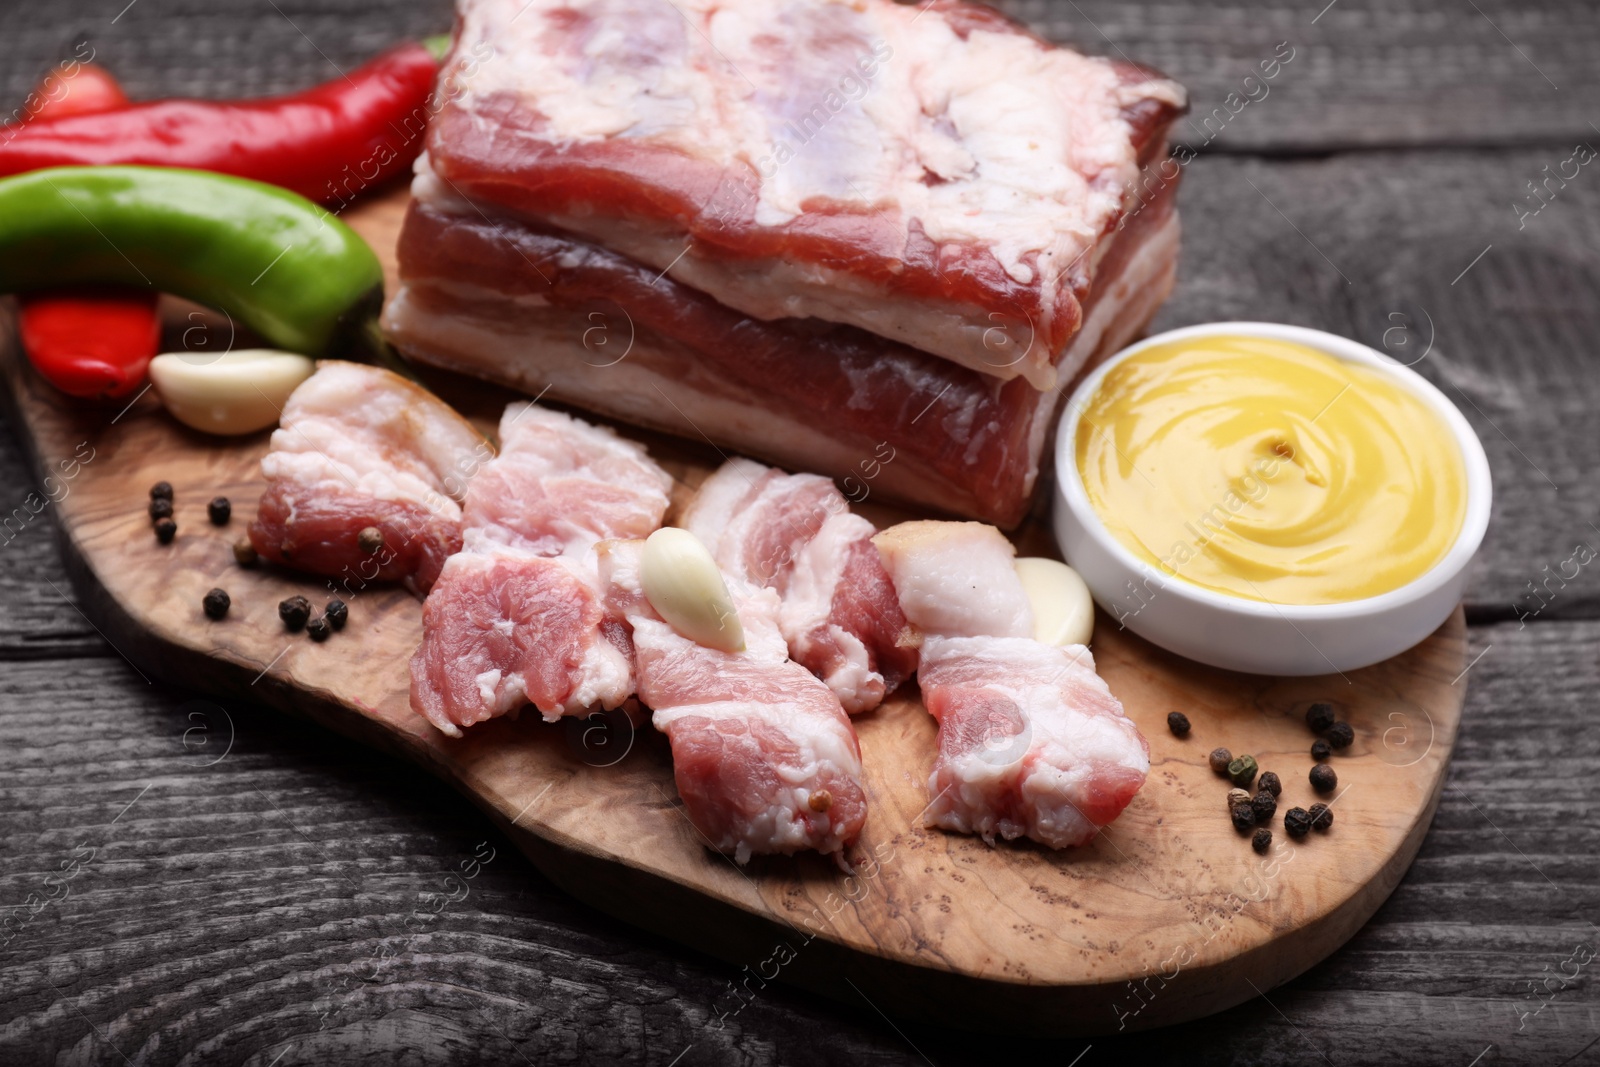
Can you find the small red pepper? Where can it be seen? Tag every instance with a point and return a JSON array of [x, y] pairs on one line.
[[328, 143], [91, 343]]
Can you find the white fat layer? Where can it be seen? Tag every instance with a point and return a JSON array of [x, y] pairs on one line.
[[956, 579]]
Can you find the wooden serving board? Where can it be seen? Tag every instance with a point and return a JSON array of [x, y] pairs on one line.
[[1167, 916]]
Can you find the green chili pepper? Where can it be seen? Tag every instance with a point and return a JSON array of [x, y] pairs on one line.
[[272, 260]]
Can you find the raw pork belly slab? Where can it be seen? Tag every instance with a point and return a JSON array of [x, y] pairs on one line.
[[795, 534], [1031, 741], [517, 615], [360, 447], [924, 172], [764, 758], [600, 213]]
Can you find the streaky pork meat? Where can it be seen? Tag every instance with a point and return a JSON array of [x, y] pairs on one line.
[[928, 173], [359, 447], [795, 534], [517, 615], [1031, 741], [764, 758]]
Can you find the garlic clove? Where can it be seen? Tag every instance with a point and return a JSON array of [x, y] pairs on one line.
[[686, 588], [228, 393], [1063, 611]]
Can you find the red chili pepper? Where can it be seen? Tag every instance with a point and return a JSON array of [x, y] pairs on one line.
[[92, 343], [327, 144]]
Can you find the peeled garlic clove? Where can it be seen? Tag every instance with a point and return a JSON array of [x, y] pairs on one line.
[[229, 392], [1063, 611], [685, 586]]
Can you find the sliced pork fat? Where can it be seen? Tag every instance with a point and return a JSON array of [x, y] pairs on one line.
[[517, 615], [1031, 741], [360, 448], [795, 534]]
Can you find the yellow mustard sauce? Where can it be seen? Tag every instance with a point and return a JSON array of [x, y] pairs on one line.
[[1271, 471]]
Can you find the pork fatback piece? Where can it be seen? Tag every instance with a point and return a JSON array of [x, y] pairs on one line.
[[1031, 741], [795, 534], [358, 447], [932, 173], [764, 758], [517, 616]]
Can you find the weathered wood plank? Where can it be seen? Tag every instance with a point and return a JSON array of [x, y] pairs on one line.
[[1366, 72], [222, 912]]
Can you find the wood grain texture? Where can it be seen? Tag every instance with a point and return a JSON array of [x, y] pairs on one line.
[[1167, 916]]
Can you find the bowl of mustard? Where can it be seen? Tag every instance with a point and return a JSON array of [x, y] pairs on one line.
[[1269, 498]]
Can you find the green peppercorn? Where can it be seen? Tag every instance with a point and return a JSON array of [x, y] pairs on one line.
[[1269, 782], [1319, 717], [1320, 749], [1297, 821], [166, 530], [318, 628], [1220, 758], [337, 612], [1244, 817], [1265, 805], [1323, 779], [1321, 816], [1178, 723], [219, 511], [161, 491], [1340, 734], [215, 603], [1242, 770], [160, 508], [244, 553], [1262, 840], [294, 612]]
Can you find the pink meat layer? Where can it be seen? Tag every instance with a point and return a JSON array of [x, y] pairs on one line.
[[1031, 741], [359, 447], [764, 758], [516, 617], [795, 533], [924, 172]]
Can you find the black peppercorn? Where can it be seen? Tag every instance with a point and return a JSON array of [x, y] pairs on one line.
[[1340, 735], [294, 612], [215, 603], [161, 491], [1244, 816], [1220, 758], [1320, 749], [369, 540], [1262, 840], [318, 628], [1297, 821], [220, 511], [244, 553], [1319, 717], [166, 530], [1265, 806], [1178, 723], [160, 508], [1323, 780], [1269, 782], [337, 613], [1321, 816], [1243, 771]]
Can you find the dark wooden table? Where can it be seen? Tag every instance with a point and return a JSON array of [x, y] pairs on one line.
[[240, 873]]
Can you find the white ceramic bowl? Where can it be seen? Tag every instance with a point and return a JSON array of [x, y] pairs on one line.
[[1249, 635]]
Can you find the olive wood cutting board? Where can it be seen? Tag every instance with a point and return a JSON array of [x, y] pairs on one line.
[[1166, 916]]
